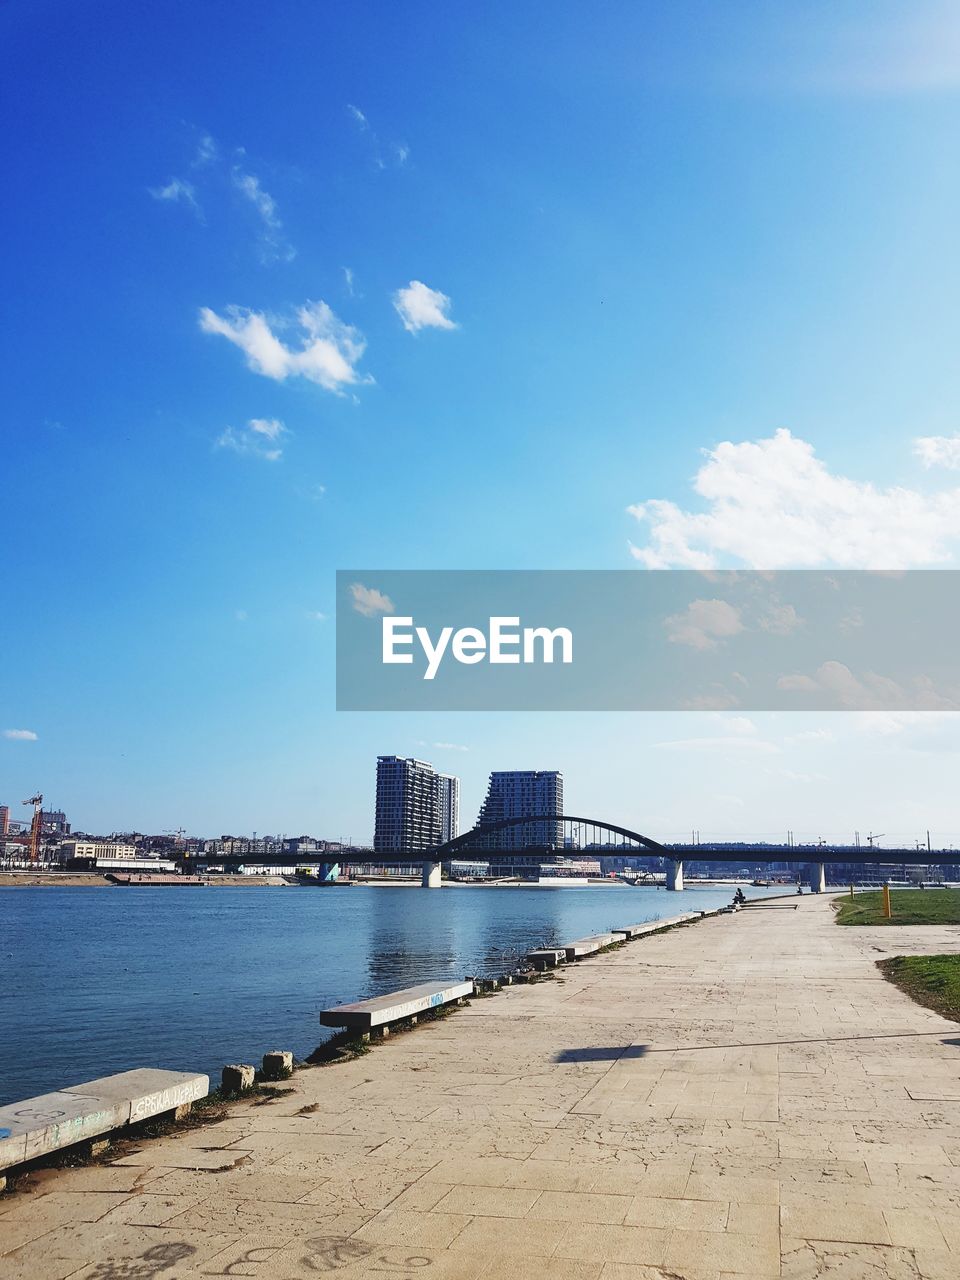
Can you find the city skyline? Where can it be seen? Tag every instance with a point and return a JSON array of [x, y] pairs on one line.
[[367, 309]]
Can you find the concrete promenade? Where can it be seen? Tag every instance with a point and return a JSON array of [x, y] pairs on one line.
[[744, 1096]]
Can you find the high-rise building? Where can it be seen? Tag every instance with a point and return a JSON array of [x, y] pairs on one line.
[[4, 820], [408, 815], [53, 822], [517, 793], [449, 806]]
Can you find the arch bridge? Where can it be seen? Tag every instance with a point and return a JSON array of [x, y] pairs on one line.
[[554, 834], [548, 835]]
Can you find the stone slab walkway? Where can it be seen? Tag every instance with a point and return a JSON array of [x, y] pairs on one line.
[[742, 1097]]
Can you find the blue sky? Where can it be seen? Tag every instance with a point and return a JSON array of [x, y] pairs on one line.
[[559, 259]]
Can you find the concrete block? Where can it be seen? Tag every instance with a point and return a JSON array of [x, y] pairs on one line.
[[236, 1077], [589, 946], [38, 1126], [83, 1112], [367, 1014], [277, 1064], [547, 957], [150, 1092]]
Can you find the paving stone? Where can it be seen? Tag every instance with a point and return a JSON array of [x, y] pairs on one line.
[[768, 1120]]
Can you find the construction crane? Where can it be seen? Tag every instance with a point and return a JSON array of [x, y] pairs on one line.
[[37, 802]]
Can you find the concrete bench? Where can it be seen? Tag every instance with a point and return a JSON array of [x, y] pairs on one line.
[[590, 946], [547, 957], [366, 1015], [651, 926], [38, 1126]]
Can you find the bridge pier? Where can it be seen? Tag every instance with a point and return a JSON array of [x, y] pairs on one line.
[[675, 875], [431, 875], [818, 877]]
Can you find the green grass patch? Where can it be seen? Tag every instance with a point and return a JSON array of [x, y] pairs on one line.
[[933, 981], [909, 906]]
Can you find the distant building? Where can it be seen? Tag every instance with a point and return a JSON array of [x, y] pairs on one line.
[[4, 820], [515, 794], [449, 806], [408, 806], [109, 855], [53, 822]]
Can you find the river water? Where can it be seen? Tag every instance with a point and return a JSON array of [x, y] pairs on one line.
[[97, 980]]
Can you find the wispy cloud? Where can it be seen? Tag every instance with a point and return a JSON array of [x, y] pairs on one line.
[[450, 746], [258, 439], [703, 624], [869, 691], [938, 451], [315, 615], [179, 191], [736, 742], [273, 246], [772, 504], [328, 353], [397, 152], [207, 151], [20, 735], [780, 619], [420, 307], [369, 601], [349, 281]]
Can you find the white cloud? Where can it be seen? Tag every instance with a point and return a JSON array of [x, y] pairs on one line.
[[780, 619], [938, 451], [792, 776], [892, 723], [328, 353], [348, 280], [773, 504], [869, 692], [207, 151], [316, 616], [177, 191], [272, 428], [703, 624], [258, 439], [20, 735], [449, 746], [721, 701], [420, 307], [736, 742], [809, 735], [398, 151], [738, 724], [369, 601], [274, 247]]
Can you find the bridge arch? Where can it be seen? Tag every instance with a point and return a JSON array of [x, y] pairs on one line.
[[444, 851]]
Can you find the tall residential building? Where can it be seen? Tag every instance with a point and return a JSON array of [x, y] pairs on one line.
[[408, 817], [449, 806], [517, 793]]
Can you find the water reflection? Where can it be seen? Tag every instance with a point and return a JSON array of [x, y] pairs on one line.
[[193, 980]]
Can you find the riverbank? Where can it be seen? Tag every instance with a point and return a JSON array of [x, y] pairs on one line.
[[731, 1098], [92, 879], [907, 907]]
